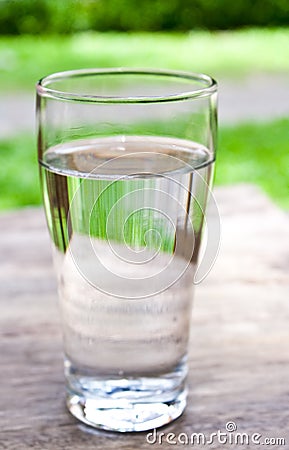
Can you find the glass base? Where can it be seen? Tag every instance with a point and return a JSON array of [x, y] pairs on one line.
[[127, 404]]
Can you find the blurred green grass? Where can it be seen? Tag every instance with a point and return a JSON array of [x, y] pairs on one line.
[[24, 59], [256, 153], [253, 153]]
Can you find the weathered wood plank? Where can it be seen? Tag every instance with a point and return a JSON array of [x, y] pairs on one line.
[[239, 357]]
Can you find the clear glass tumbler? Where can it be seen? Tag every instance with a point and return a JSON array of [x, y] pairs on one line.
[[126, 162]]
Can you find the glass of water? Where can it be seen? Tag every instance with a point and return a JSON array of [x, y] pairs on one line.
[[126, 163]]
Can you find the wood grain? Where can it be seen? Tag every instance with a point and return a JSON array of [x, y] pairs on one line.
[[239, 356]]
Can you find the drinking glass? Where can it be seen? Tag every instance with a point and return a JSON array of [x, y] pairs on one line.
[[126, 161]]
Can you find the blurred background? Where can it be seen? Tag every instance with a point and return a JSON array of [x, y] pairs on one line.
[[243, 44]]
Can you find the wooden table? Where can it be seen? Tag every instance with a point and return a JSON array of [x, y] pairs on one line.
[[239, 350]]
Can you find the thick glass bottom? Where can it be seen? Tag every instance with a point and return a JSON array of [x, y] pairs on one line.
[[126, 404]]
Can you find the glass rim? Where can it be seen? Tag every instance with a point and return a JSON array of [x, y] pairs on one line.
[[43, 89]]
